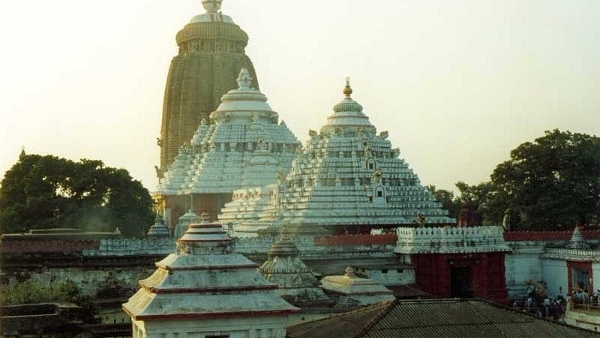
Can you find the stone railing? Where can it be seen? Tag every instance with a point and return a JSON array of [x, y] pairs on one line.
[[48, 246], [373, 245], [133, 246], [564, 235], [573, 254], [356, 239], [450, 240]]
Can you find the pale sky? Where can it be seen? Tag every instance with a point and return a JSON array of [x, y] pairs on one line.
[[458, 84]]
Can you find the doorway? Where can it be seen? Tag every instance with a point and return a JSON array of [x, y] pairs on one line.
[[461, 282]]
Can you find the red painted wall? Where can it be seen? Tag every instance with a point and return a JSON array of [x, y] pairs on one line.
[[487, 279]]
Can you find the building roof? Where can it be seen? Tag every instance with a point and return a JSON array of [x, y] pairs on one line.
[[296, 281], [445, 318], [205, 280], [346, 175], [244, 147], [340, 325]]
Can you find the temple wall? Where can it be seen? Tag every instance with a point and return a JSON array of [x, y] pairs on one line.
[[389, 276], [133, 246], [582, 319], [555, 276], [522, 265], [245, 327], [92, 281]]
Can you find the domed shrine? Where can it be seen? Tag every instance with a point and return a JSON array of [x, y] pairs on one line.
[[244, 146], [158, 229], [296, 281], [184, 222], [348, 179], [351, 290], [206, 290], [211, 54]]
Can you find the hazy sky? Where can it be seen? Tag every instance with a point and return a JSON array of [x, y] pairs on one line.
[[458, 84]]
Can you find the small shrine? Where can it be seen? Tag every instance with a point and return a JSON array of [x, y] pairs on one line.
[[297, 283], [184, 222], [159, 229], [206, 290], [352, 291]]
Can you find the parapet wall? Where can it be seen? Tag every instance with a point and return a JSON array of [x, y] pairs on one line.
[[546, 236], [389, 239], [47, 246], [133, 246], [450, 240]]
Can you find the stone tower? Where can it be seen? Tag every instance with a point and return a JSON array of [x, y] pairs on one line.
[[211, 54]]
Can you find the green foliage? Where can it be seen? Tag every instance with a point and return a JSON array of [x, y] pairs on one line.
[[449, 202], [551, 183], [41, 192], [30, 293]]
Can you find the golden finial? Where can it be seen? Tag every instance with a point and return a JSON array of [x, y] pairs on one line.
[[347, 89]]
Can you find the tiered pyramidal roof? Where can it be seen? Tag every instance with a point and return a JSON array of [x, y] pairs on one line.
[[245, 146], [296, 281], [202, 286], [347, 179]]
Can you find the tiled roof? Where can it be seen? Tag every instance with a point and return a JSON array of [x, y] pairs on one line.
[[339, 326], [445, 318]]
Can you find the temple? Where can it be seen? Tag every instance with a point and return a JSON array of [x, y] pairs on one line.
[[244, 145], [348, 180], [211, 54]]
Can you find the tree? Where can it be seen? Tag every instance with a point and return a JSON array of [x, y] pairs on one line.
[[550, 183], [41, 192], [449, 202]]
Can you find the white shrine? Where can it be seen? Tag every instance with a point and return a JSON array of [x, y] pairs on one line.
[[297, 283], [348, 179], [206, 290], [245, 146], [351, 290]]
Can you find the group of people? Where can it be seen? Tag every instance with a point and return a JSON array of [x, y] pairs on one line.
[[582, 297], [548, 307]]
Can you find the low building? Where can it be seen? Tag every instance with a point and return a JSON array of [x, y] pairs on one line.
[[352, 291]]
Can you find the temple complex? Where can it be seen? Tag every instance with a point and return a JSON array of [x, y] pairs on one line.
[[244, 145], [206, 290], [211, 54], [348, 179]]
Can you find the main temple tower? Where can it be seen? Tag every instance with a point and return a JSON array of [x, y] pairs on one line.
[[211, 54]]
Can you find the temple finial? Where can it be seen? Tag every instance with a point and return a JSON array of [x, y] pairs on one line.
[[244, 80], [212, 6], [347, 88]]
